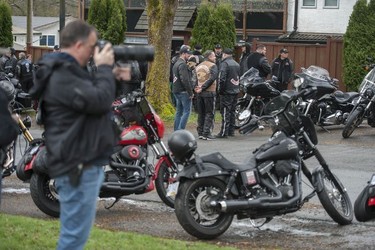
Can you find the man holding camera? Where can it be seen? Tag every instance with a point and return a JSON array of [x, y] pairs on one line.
[[76, 111]]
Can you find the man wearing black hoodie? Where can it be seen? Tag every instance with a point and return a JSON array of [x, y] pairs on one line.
[[79, 135]]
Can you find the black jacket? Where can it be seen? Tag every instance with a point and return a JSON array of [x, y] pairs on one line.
[[77, 120], [282, 69], [260, 62], [229, 77], [8, 127], [181, 78]]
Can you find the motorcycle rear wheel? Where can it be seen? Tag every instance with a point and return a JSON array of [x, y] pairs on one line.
[[44, 194], [336, 203], [193, 211], [163, 181], [354, 120]]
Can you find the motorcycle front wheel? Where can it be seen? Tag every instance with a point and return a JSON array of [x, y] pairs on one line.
[[241, 114], [44, 194], [336, 203], [193, 210], [166, 177], [354, 120]]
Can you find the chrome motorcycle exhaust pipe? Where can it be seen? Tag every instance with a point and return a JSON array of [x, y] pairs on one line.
[[264, 202]]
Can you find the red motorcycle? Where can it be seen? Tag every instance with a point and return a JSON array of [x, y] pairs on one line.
[[130, 170]]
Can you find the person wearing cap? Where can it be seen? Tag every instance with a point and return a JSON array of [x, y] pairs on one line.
[[229, 79], [182, 89], [198, 53], [207, 73], [259, 61], [218, 54], [246, 51], [56, 48], [282, 68]]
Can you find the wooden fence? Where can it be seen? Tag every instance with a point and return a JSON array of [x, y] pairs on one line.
[[328, 56]]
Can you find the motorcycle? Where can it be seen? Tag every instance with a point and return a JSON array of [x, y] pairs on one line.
[[269, 183], [364, 205], [257, 92], [130, 170], [22, 99], [328, 106], [364, 107]]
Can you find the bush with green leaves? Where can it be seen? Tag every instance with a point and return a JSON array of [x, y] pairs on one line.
[[109, 18], [358, 43], [6, 37], [214, 24]]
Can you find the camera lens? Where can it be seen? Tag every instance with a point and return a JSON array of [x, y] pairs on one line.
[[134, 52]]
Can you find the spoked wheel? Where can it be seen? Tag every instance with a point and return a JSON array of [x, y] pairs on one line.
[[242, 115], [354, 120], [44, 194], [166, 177], [336, 203], [193, 210]]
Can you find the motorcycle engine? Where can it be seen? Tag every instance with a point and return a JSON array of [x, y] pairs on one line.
[[279, 174]]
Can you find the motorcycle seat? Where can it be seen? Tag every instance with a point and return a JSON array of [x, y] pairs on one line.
[[343, 97], [220, 160]]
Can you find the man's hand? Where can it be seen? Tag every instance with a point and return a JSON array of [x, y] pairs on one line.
[[105, 56]]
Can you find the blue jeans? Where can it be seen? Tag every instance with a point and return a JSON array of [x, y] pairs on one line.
[[183, 108], [78, 207]]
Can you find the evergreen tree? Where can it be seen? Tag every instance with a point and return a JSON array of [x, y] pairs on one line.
[[358, 44], [214, 24], [6, 37], [109, 18]]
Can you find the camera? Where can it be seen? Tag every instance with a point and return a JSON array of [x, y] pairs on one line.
[[130, 52]]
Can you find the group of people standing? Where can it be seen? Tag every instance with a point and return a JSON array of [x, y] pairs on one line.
[[21, 68], [214, 74]]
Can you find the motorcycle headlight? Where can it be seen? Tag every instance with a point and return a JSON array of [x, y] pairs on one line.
[[297, 82]]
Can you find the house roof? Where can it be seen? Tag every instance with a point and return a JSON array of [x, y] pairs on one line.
[[38, 22], [301, 37], [181, 20], [21, 31]]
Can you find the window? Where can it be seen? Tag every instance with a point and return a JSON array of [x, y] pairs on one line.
[[47, 40], [308, 3], [331, 3]]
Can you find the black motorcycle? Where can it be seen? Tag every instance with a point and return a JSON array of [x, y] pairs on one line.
[[269, 183], [364, 205], [328, 106], [257, 92], [364, 107]]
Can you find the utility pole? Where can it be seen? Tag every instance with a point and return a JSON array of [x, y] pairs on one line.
[[244, 20], [81, 9], [29, 25], [62, 16]]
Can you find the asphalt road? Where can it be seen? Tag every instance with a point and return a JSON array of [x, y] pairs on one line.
[[352, 160]]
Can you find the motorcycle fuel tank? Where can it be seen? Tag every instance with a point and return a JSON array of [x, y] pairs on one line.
[[285, 149], [133, 134]]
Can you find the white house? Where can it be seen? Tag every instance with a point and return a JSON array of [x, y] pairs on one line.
[[45, 30], [318, 18]]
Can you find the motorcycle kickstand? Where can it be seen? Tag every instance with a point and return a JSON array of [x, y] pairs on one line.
[[325, 129], [308, 197], [108, 207]]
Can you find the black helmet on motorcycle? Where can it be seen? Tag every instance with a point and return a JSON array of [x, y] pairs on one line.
[[8, 89], [182, 143]]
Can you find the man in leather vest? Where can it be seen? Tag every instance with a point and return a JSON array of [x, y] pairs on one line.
[[259, 61], [207, 73], [229, 79]]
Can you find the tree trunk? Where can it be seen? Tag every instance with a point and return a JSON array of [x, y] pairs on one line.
[[161, 14]]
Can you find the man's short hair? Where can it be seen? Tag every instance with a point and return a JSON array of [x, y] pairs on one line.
[[75, 31], [207, 53], [22, 55], [261, 46]]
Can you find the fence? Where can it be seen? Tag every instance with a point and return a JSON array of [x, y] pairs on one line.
[[328, 56]]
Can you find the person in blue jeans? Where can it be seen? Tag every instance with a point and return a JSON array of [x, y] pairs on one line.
[[182, 89], [76, 113]]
